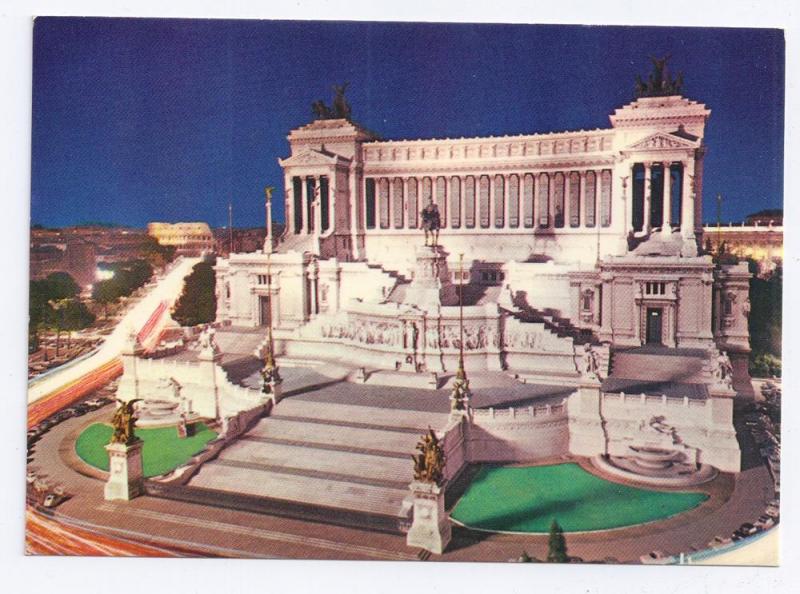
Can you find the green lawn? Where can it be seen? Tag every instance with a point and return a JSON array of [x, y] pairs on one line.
[[527, 499], [163, 450]]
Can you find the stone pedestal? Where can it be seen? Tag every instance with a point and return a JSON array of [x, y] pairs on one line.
[[431, 286], [125, 476], [430, 529], [275, 388], [587, 435]]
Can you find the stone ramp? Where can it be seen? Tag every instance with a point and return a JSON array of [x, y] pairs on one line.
[[689, 367], [659, 370], [338, 463]]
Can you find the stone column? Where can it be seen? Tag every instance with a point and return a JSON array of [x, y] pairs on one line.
[[390, 198], [355, 205], [268, 240], [583, 197], [125, 476], [430, 529], [648, 184], [491, 200], [666, 224], [687, 200], [304, 203], [567, 190], [288, 192], [316, 205], [506, 201], [462, 201]]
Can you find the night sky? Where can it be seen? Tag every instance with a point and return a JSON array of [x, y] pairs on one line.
[[137, 120]]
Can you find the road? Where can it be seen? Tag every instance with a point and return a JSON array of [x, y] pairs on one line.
[[59, 387]]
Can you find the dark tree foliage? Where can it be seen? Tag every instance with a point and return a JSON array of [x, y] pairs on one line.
[[198, 302], [53, 305], [557, 545], [155, 254], [766, 302]]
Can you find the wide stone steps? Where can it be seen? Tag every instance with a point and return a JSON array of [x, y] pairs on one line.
[[309, 490], [354, 438], [330, 462], [349, 413], [360, 467]]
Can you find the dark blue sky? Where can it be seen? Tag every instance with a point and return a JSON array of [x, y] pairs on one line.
[[145, 119]]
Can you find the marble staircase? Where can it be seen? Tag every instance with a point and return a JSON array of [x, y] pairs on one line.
[[336, 463]]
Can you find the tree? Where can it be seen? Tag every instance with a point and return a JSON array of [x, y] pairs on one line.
[[557, 545], [765, 324], [105, 292], [155, 254], [75, 316], [198, 302]]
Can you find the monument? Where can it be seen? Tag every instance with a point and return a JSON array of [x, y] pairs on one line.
[[125, 474], [431, 528]]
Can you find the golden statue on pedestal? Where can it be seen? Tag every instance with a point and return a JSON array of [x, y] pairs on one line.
[[429, 463], [123, 423]]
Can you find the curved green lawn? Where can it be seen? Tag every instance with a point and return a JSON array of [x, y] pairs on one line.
[[162, 451], [527, 499]]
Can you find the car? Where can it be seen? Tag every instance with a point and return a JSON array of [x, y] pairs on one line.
[[766, 523], [93, 403], [747, 529], [655, 558]]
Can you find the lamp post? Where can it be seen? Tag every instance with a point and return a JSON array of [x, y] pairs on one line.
[[270, 374], [268, 207], [460, 396]]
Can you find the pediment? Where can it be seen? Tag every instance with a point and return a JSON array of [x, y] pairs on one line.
[[662, 141], [310, 158]]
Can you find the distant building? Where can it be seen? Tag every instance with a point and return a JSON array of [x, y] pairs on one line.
[[187, 238], [76, 258], [759, 237], [247, 240]]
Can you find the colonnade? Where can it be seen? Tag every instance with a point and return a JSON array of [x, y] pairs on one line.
[[309, 204], [501, 201], [686, 196]]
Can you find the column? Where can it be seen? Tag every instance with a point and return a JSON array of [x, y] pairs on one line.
[[304, 203], [390, 198], [648, 183], [567, 191], [491, 200], [666, 226], [355, 203], [583, 196], [268, 241], [288, 193], [405, 202], [687, 200], [462, 201], [317, 206], [506, 210]]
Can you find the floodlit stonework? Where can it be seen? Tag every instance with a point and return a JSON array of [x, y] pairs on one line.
[[568, 278]]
